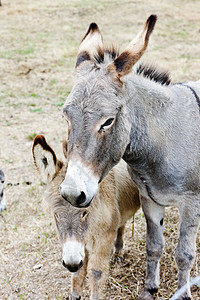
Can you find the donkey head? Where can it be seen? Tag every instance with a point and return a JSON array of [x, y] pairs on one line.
[[99, 128], [71, 222]]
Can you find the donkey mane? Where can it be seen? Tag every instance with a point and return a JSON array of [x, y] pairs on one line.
[[111, 52], [107, 55], [154, 74]]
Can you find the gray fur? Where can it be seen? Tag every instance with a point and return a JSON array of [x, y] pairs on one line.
[[157, 132], [97, 274]]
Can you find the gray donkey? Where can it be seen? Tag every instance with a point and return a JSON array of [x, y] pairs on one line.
[[114, 112]]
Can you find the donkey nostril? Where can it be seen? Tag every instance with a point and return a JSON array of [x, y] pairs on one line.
[[64, 265], [81, 198], [80, 265]]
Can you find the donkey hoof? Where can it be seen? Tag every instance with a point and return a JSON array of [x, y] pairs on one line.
[[145, 296]]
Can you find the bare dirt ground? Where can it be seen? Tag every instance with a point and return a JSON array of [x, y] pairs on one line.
[[38, 46]]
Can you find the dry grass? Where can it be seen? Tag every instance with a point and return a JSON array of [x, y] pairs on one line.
[[39, 42]]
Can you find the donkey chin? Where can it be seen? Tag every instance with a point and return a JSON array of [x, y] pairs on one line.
[[80, 185], [73, 255]]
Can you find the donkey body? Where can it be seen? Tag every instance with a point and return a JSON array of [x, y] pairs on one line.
[[88, 235], [154, 125], [2, 194]]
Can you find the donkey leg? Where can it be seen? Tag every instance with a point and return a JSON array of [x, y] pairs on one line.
[[119, 241], [186, 250], [77, 281], [154, 215], [98, 265]]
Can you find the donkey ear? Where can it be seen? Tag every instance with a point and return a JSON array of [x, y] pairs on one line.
[[123, 64], [45, 158], [90, 44]]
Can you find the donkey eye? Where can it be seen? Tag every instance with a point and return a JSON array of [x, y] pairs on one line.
[[108, 123]]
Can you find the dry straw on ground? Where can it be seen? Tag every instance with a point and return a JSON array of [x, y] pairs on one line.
[[38, 46]]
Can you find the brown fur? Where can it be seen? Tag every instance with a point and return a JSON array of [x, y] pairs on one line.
[[101, 229]]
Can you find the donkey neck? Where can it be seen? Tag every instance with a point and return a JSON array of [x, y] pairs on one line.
[[151, 97], [149, 104]]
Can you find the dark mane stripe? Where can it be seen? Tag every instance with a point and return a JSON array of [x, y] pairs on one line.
[[148, 71], [112, 52], [153, 74]]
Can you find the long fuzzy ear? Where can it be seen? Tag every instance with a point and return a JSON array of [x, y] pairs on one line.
[[123, 64], [91, 42], [45, 158]]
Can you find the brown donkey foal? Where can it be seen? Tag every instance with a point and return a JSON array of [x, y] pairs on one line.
[[87, 235]]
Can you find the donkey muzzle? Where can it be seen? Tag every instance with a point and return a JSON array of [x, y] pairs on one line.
[[80, 185], [73, 255]]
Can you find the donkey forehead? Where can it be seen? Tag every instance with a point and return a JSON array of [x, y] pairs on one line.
[[93, 99], [66, 211]]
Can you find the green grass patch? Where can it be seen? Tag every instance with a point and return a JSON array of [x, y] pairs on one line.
[[8, 123], [53, 81], [31, 189], [181, 34], [61, 103], [40, 110], [32, 136], [34, 95], [21, 296], [9, 161], [12, 53], [46, 237], [187, 56], [31, 104], [12, 95]]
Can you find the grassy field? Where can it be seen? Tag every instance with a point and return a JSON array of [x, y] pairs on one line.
[[38, 46]]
